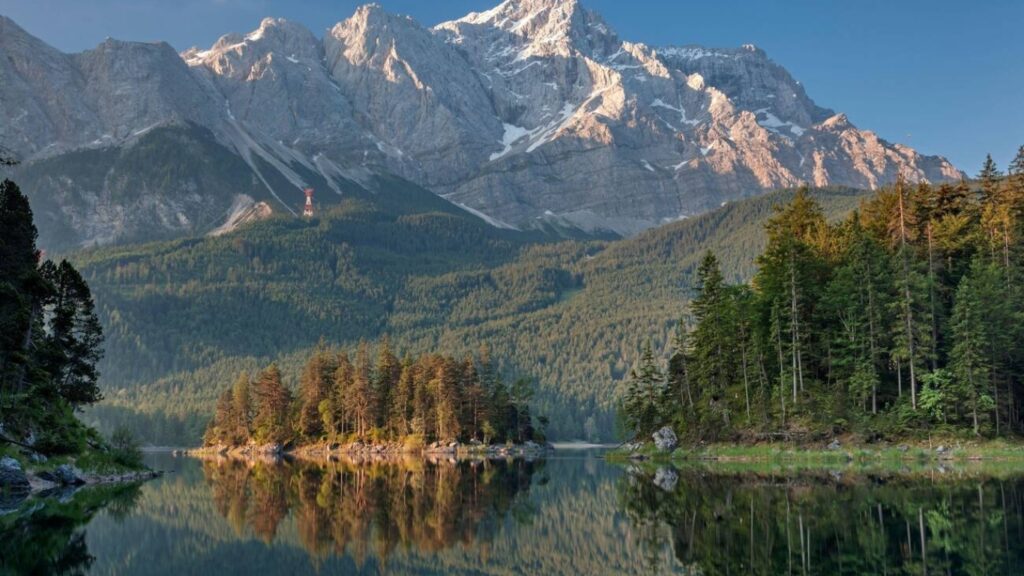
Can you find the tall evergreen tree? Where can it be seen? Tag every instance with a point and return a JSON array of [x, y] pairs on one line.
[[361, 398], [240, 425], [643, 402], [272, 400], [315, 387], [74, 335], [385, 380], [989, 178], [968, 357]]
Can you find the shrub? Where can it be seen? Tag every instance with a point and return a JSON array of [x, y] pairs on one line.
[[124, 448]]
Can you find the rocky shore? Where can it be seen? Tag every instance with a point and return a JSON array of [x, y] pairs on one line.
[[365, 451], [18, 484]]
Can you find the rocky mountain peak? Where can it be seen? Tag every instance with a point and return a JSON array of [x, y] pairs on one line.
[[837, 123], [539, 28], [532, 110], [282, 37]]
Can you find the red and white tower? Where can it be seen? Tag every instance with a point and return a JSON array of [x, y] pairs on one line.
[[308, 211]]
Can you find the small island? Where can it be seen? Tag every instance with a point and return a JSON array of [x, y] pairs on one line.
[[431, 404]]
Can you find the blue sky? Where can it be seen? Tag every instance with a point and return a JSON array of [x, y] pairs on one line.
[[944, 76]]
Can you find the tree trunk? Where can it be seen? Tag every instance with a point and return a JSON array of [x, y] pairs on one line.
[[931, 296], [907, 303], [746, 382]]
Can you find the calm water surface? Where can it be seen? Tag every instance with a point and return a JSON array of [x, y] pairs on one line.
[[570, 514]]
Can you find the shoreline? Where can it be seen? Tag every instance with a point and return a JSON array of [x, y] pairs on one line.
[[378, 451], [934, 451]]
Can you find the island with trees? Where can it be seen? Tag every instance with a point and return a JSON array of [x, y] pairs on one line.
[[901, 322], [383, 405]]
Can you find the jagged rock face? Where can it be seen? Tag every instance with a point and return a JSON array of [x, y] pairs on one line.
[[424, 105], [532, 110]]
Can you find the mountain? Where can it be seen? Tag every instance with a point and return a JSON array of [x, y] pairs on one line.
[[531, 114], [184, 317]]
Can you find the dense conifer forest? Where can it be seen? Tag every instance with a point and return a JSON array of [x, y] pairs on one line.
[[416, 401], [50, 343], [184, 318], [905, 318]]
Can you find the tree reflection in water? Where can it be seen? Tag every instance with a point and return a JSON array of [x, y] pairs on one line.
[[353, 507], [47, 536], [827, 523]]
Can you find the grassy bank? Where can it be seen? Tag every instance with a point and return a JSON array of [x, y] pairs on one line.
[[795, 455]]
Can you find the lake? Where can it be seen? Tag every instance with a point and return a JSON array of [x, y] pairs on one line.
[[572, 513]]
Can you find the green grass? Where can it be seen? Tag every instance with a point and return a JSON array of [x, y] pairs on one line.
[[1001, 451]]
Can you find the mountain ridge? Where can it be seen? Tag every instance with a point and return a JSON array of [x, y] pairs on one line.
[[530, 112]]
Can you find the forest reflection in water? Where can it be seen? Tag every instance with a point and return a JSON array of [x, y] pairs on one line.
[[934, 522], [354, 507], [573, 513]]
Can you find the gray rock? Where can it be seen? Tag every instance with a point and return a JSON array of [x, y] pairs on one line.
[[38, 458], [14, 481], [666, 479], [665, 439], [8, 463], [63, 475], [940, 450], [535, 109], [12, 477], [834, 445]]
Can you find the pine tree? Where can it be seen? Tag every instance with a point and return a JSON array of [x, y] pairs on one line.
[[272, 403], [74, 336], [423, 420], [713, 335], [360, 399], [679, 390], [476, 402], [789, 276], [22, 290], [337, 414], [448, 400], [402, 400], [1016, 172], [989, 178], [385, 380], [968, 358], [240, 425], [219, 430], [857, 297], [315, 387], [521, 421], [644, 395]]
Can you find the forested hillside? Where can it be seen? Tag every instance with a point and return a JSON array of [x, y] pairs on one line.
[[183, 318], [905, 318]]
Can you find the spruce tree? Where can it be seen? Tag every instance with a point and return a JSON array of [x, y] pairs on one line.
[[240, 425], [989, 178], [968, 358], [273, 400], [645, 395], [74, 336]]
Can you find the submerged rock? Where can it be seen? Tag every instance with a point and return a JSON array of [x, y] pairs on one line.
[[665, 439]]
